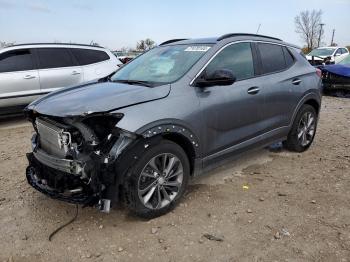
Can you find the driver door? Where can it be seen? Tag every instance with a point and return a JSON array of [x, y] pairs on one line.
[[232, 114]]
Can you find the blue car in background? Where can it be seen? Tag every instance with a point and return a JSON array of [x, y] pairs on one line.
[[337, 77]]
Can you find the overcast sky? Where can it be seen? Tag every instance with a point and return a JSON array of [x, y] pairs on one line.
[[117, 24]]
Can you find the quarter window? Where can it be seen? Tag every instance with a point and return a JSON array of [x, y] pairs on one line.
[[237, 57], [288, 57], [54, 58], [272, 58], [89, 56], [16, 60]]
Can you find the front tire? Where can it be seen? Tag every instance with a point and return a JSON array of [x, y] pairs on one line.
[[303, 130], [157, 181]]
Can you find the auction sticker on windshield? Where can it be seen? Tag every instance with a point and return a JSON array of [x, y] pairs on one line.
[[197, 48]]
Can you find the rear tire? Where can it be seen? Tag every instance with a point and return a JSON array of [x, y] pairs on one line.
[[157, 181], [303, 130]]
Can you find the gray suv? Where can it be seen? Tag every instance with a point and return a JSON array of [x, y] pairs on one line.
[[174, 112]]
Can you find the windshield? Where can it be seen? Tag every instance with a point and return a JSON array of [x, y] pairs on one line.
[[322, 52], [345, 61], [161, 65]]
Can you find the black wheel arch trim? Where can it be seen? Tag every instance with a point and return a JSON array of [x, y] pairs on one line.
[[303, 100], [172, 126]]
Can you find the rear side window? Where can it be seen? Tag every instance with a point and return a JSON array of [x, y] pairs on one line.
[[272, 58], [344, 51], [89, 56], [237, 57], [54, 58], [16, 60]]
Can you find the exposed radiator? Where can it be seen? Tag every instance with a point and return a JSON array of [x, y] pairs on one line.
[[53, 139]]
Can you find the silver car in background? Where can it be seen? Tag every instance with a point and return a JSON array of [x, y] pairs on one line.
[[32, 70]]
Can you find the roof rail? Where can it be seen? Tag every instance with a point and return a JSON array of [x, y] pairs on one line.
[[57, 44], [172, 41], [245, 34]]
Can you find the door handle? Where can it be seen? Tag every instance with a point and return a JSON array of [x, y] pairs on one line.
[[296, 81], [75, 73], [29, 77], [253, 90]]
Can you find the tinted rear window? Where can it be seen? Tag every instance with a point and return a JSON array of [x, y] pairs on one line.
[[16, 60], [54, 58], [272, 58], [88, 56]]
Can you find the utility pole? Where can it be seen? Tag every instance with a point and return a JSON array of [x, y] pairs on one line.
[[257, 31], [319, 37], [332, 37]]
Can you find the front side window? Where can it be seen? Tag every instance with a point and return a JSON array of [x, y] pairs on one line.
[[16, 60], [338, 52], [237, 57], [272, 58], [54, 58], [161, 65]]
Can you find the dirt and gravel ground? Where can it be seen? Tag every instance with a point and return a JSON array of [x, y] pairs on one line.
[[267, 206]]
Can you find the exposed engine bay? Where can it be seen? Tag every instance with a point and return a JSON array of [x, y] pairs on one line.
[[73, 158]]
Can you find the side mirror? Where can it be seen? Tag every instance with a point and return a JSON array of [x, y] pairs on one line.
[[220, 77], [337, 54]]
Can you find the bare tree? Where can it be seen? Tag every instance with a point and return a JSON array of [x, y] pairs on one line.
[[144, 45], [93, 43], [5, 44], [308, 26]]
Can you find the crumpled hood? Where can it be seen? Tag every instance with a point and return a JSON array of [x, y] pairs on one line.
[[96, 97], [320, 58]]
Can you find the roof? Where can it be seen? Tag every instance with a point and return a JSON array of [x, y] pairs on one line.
[[328, 47], [238, 36], [211, 40], [54, 44]]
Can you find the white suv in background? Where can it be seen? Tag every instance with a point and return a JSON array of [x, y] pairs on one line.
[[31, 70], [334, 54]]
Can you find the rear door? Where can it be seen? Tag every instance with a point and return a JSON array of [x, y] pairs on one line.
[[282, 84], [19, 79], [95, 63], [57, 69]]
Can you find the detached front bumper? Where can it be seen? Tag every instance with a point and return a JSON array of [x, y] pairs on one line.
[[64, 164], [48, 175]]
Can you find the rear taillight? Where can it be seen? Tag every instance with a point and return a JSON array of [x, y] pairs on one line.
[[319, 72]]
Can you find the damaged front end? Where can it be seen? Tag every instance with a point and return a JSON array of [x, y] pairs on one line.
[[73, 157]]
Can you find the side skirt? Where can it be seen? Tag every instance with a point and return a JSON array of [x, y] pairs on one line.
[[224, 156]]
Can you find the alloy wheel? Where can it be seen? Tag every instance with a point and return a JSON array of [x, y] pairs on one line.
[[160, 181], [306, 129]]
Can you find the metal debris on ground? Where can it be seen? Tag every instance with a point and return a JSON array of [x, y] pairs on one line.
[[212, 237]]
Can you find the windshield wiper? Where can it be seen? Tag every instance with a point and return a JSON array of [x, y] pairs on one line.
[[135, 82]]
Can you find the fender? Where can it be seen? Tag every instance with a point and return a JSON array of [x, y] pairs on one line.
[[171, 126], [302, 101]]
